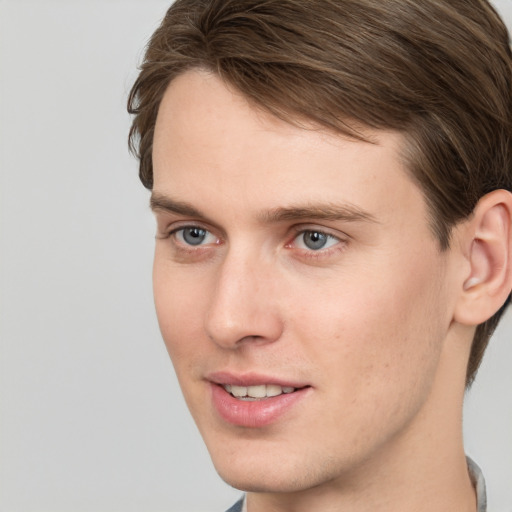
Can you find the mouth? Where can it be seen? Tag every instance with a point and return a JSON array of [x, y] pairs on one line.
[[258, 392], [255, 401]]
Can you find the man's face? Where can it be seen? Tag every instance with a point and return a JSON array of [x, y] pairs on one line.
[[296, 263]]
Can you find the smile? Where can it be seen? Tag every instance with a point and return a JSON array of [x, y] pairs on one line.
[[258, 392], [255, 405]]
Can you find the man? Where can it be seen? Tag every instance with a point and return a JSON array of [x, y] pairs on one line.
[[331, 185]]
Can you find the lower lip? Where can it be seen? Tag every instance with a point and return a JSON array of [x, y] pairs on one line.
[[257, 413]]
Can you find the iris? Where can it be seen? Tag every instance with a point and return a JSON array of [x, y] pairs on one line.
[[314, 240], [194, 235]]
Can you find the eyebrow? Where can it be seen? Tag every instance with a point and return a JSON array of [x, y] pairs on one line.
[[329, 211], [160, 202], [314, 211]]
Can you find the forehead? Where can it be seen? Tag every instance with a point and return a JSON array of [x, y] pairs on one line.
[[210, 140]]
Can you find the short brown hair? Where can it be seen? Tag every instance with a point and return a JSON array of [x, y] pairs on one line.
[[438, 71]]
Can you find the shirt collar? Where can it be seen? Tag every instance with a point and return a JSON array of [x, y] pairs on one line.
[[477, 478]]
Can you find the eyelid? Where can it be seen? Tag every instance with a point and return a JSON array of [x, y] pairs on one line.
[[334, 233], [169, 227]]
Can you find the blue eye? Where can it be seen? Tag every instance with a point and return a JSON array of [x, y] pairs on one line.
[[315, 240], [194, 236]]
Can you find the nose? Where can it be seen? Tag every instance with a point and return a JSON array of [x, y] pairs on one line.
[[244, 305]]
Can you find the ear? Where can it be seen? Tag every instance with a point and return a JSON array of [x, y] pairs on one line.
[[487, 242]]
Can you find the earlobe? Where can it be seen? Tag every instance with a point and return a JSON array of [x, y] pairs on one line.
[[489, 243]]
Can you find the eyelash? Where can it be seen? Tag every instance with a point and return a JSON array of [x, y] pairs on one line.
[[184, 248]]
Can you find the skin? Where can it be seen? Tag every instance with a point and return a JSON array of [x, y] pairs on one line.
[[366, 321]]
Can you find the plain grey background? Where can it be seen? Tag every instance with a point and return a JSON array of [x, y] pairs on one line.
[[91, 415]]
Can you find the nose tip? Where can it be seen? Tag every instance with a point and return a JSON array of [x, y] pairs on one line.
[[243, 309], [231, 335]]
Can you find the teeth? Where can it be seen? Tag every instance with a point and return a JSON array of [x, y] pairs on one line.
[[273, 390], [260, 391], [257, 391], [238, 391]]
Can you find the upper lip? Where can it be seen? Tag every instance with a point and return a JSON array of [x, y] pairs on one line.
[[251, 379]]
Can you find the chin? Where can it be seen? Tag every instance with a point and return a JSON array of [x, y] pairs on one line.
[[252, 481], [266, 474]]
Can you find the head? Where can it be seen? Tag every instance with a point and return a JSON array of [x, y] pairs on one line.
[[437, 72], [424, 87]]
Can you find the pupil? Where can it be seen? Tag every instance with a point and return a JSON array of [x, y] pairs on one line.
[[194, 236], [314, 240]]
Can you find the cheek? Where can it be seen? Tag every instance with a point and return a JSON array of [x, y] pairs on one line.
[[379, 332], [375, 351], [179, 302]]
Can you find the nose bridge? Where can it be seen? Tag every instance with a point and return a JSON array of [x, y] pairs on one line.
[[243, 304]]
